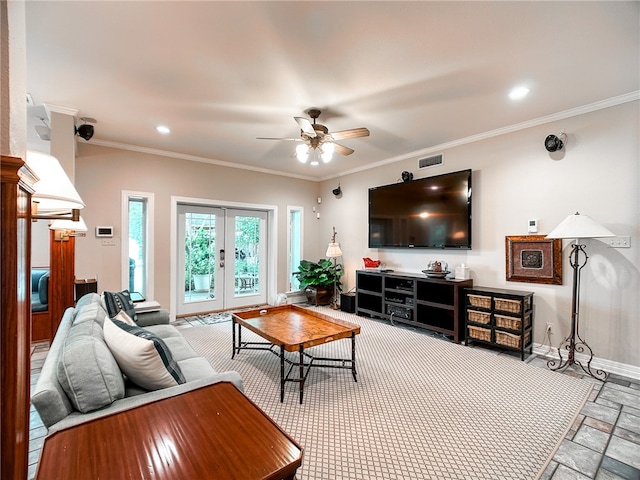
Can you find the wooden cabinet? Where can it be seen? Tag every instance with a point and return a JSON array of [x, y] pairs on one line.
[[15, 316], [413, 299], [500, 318]]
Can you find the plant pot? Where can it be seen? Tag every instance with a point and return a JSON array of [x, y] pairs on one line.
[[201, 282], [319, 295]]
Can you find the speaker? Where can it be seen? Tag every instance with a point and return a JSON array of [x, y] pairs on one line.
[[553, 143], [348, 302], [85, 131]]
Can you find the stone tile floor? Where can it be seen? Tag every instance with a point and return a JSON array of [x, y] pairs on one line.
[[603, 443]]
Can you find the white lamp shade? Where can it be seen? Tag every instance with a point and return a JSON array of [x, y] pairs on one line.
[[333, 250], [579, 226], [302, 153], [53, 191], [327, 151], [65, 224]]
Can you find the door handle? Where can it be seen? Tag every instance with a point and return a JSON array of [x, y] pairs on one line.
[[222, 257]]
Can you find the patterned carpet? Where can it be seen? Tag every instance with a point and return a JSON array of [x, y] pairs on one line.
[[423, 407]]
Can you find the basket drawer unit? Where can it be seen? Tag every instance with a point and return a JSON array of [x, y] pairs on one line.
[[500, 318]]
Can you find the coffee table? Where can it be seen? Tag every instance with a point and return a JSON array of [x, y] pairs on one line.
[[292, 328], [211, 432]]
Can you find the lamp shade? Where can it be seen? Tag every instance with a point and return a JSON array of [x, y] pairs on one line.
[[579, 226], [66, 224], [333, 250], [54, 191]]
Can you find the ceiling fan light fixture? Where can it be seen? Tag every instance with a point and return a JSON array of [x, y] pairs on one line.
[[302, 153], [326, 151]]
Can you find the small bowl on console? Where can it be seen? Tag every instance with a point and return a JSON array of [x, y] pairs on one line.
[[437, 269]]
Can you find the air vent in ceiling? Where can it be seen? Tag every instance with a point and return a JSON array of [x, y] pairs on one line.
[[431, 161]]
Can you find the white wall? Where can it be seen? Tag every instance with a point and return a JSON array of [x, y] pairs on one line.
[[514, 179], [103, 173]]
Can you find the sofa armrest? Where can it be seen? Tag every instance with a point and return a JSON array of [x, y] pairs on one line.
[[159, 317]]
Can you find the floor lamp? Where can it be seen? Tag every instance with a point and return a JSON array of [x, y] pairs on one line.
[[577, 227], [333, 251]]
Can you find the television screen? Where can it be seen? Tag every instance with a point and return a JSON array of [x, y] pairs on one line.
[[432, 212]]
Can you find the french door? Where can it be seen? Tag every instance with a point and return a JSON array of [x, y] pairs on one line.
[[221, 258]]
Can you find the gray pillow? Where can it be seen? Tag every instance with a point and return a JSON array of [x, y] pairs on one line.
[[87, 371]]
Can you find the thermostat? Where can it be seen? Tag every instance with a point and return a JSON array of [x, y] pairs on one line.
[[533, 225], [104, 231]]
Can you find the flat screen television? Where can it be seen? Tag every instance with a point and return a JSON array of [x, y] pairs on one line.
[[432, 212]]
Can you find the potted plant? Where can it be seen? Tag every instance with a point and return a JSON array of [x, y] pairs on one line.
[[200, 258], [319, 279]]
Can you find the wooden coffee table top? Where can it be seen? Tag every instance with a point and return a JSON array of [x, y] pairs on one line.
[[292, 326], [211, 432]]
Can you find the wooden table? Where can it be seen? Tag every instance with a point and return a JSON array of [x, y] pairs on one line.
[[212, 432], [294, 329]]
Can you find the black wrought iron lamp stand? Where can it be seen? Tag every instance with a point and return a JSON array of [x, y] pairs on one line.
[[574, 342]]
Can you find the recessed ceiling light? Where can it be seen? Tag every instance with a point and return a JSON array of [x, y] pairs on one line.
[[163, 129], [518, 93]]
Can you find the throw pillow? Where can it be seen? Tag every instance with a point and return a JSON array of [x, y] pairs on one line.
[[87, 370], [142, 356], [124, 318], [117, 301]]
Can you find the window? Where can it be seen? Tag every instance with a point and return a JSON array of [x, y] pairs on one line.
[[294, 244], [137, 245]]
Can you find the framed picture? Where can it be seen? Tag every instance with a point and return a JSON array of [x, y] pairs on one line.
[[534, 259]]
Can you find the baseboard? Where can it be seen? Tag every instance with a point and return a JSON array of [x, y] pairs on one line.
[[609, 366]]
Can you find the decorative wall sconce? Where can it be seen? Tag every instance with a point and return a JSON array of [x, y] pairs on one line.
[[63, 229]]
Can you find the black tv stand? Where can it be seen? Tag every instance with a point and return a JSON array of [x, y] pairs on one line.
[[431, 303]]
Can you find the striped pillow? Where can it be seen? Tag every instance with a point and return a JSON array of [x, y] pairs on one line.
[[142, 356], [119, 301]]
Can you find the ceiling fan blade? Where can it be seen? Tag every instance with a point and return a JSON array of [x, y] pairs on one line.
[[306, 126], [342, 150], [272, 138], [351, 133]]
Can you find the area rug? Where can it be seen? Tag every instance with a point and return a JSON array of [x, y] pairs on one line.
[[208, 318], [423, 407]]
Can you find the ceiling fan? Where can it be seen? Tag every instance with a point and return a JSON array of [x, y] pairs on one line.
[[316, 136]]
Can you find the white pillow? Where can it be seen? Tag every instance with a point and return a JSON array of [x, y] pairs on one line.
[[123, 317], [142, 356]]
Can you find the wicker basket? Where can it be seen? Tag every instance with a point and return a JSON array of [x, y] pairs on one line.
[[510, 323], [479, 301], [505, 305], [479, 333], [527, 303], [478, 317], [511, 340], [527, 320]]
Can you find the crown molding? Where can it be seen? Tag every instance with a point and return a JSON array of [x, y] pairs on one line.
[[194, 158], [554, 117], [60, 109]]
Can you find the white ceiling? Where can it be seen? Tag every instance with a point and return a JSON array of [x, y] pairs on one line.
[[418, 74]]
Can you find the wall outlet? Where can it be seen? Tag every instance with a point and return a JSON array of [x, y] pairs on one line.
[[619, 241], [108, 242]]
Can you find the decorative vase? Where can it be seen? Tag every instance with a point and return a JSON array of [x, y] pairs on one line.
[[319, 295]]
